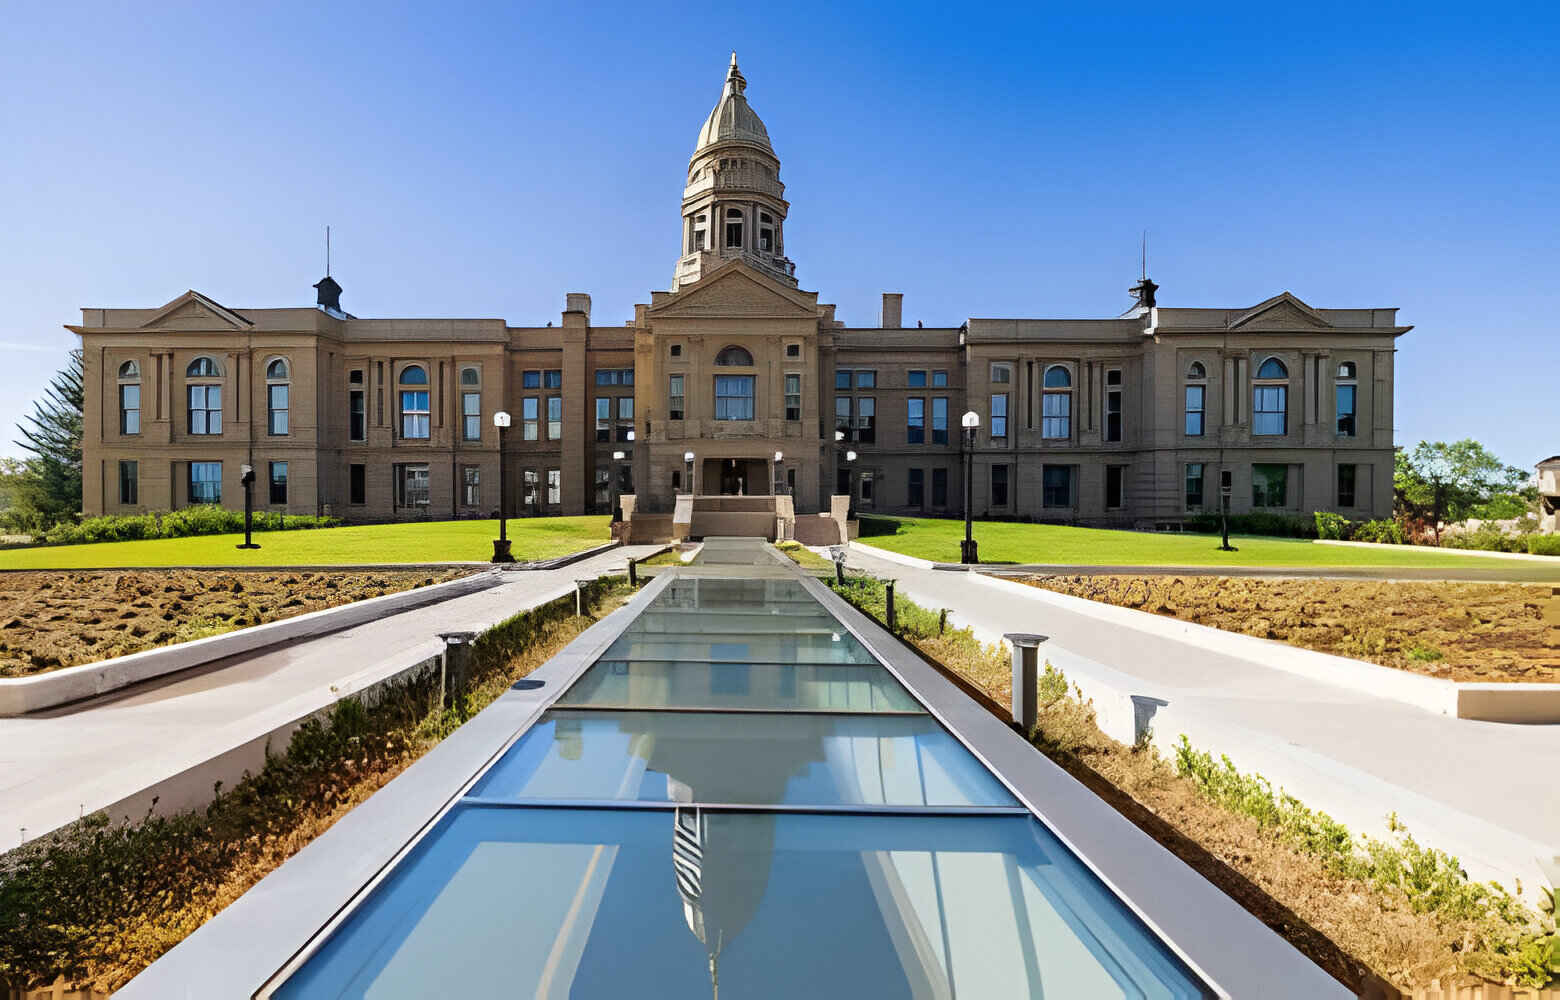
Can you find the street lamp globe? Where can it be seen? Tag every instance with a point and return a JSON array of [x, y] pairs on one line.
[[839, 436], [779, 456], [687, 456], [630, 436], [618, 456], [850, 456], [501, 419], [971, 420]]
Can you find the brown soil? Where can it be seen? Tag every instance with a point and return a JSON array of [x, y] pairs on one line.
[[1456, 631], [61, 618]]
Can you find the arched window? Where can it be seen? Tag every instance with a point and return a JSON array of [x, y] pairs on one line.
[[470, 376], [1270, 399], [733, 228], [1056, 403], [414, 403], [698, 232], [734, 355], [129, 398], [766, 232], [1345, 399], [205, 398], [470, 404], [1196, 406], [277, 393]]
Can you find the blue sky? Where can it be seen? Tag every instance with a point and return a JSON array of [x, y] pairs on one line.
[[986, 161]]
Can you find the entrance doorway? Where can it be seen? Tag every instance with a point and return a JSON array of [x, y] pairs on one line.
[[736, 477]]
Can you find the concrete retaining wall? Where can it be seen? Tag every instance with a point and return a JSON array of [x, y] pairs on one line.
[[21, 695]]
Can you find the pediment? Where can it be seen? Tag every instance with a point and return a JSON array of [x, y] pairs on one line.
[[1282, 312], [194, 311], [737, 291]]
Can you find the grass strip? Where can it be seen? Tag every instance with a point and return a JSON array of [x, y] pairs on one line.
[[1371, 912], [98, 901]]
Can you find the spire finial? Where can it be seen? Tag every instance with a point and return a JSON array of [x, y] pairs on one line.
[[735, 84], [327, 251]]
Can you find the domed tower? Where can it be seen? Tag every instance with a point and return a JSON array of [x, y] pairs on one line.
[[734, 204]]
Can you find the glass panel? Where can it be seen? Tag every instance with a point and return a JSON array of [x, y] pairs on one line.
[[747, 758], [676, 904]]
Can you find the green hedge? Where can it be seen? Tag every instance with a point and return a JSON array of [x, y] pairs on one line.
[[1280, 525], [204, 519]]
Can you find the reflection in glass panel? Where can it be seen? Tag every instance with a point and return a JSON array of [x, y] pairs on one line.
[[746, 759], [588, 903], [737, 682]]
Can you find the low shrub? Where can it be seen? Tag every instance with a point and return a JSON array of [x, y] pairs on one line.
[[1278, 525], [1381, 532], [1543, 545], [1487, 538], [1330, 525], [202, 519]]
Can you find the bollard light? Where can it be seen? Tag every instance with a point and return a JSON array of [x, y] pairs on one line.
[[1026, 683]]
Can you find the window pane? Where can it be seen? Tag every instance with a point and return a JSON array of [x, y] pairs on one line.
[[733, 397], [278, 482], [866, 380], [1269, 409], [866, 419], [939, 379], [842, 380], [917, 379], [999, 414], [1194, 485], [1056, 485], [1346, 410], [1269, 485], [999, 485], [915, 421], [1194, 410], [554, 417], [940, 420], [1056, 415]]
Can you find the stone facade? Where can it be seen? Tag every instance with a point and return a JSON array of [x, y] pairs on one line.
[[1125, 421]]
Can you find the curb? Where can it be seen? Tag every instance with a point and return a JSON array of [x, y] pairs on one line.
[[21, 695], [559, 562]]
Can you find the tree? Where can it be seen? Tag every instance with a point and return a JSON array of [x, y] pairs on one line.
[[1443, 483], [49, 485]]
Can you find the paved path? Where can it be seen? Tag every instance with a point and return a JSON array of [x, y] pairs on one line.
[[1482, 790], [1511, 571], [57, 765]]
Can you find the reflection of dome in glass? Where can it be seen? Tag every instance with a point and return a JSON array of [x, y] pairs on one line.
[[733, 119], [719, 879]]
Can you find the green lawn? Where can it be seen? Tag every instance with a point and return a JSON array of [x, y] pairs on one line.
[[1003, 542], [426, 541]]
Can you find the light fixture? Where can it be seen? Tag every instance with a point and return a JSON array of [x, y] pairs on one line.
[[631, 437], [617, 456], [850, 456], [501, 419], [971, 420], [687, 456], [839, 436], [779, 456]]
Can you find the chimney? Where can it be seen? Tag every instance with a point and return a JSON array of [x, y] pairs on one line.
[[577, 302], [893, 310], [329, 294]]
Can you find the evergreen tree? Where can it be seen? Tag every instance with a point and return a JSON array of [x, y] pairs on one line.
[[50, 483]]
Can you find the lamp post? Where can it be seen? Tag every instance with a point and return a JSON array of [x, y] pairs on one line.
[[617, 460], [501, 553], [246, 476], [968, 553], [850, 484], [688, 462], [776, 480], [1226, 489]]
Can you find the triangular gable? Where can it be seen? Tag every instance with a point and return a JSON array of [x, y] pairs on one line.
[[1282, 312], [194, 311], [734, 289]]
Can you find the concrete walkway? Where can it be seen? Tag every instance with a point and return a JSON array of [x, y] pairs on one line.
[[175, 735], [1482, 791]]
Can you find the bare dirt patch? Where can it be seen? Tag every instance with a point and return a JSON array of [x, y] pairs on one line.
[[1455, 631], [53, 619]]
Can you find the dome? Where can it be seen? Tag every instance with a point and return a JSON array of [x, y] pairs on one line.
[[733, 120]]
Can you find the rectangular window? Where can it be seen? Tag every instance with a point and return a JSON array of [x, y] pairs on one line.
[[793, 350], [625, 416], [529, 417], [675, 400], [842, 380], [793, 396], [554, 417], [414, 414], [939, 488], [1056, 415], [130, 409], [205, 482], [129, 483], [999, 414], [471, 415], [602, 480], [530, 493], [999, 486], [1269, 485], [1056, 485], [1346, 411], [868, 487], [357, 484], [866, 420], [1113, 486], [790, 480], [1270, 410], [531, 380], [554, 487], [733, 397], [355, 377], [278, 480], [1346, 485], [276, 409], [915, 420], [603, 419], [205, 409], [614, 376], [1194, 485], [842, 416], [866, 380], [916, 379], [552, 379], [1195, 396], [939, 380], [357, 416], [471, 485], [411, 485], [1113, 405], [1001, 374], [939, 420], [916, 493]]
